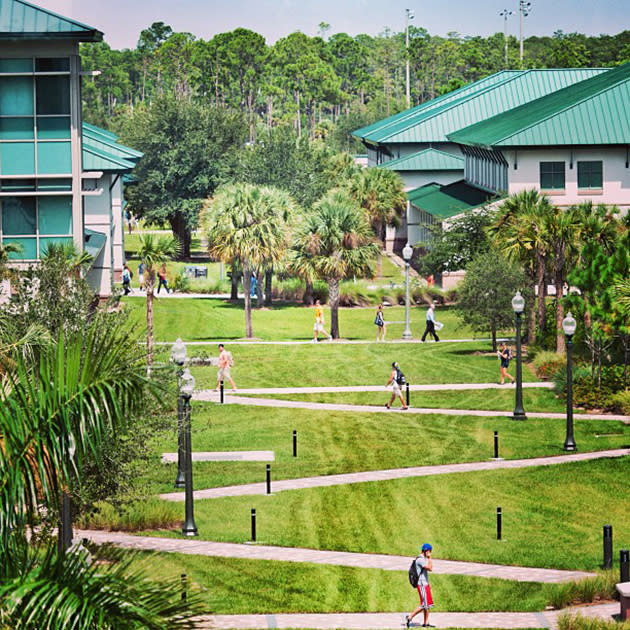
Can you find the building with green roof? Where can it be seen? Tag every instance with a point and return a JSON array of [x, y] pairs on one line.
[[60, 179]]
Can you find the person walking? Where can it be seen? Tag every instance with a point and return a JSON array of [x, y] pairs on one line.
[[318, 327], [141, 275], [430, 329], [126, 279], [424, 564], [505, 354], [226, 361], [396, 380], [379, 321], [162, 281]]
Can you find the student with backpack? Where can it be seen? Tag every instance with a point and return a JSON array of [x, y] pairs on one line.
[[419, 578], [396, 380], [504, 354]]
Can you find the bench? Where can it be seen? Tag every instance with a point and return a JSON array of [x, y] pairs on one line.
[[623, 588]]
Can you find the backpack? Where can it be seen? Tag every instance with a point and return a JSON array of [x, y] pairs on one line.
[[400, 377], [414, 576]]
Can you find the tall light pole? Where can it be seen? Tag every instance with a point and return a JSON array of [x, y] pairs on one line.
[[569, 325], [407, 253], [518, 306], [505, 14], [524, 8], [186, 389], [409, 16], [178, 356], [64, 534]]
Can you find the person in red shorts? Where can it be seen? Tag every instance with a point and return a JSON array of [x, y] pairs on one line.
[[424, 564]]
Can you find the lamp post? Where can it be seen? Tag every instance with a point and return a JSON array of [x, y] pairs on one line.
[[524, 8], [407, 253], [569, 325], [186, 391], [518, 306], [64, 535], [505, 14], [409, 16], [178, 356]]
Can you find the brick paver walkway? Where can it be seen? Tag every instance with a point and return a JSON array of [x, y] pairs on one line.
[[394, 473], [223, 456], [315, 556]]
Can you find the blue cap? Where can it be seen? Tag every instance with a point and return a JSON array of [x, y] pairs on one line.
[[427, 547]]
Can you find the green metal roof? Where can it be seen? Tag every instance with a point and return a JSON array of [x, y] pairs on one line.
[[101, 152], [93, 242], [23, 20], [594, 111], [435, 120], [445, 201], [427, 160]]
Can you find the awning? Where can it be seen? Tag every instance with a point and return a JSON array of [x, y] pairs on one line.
[[94, 242]]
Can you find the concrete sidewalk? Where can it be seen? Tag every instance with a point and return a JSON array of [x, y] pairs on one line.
[[387, 475]]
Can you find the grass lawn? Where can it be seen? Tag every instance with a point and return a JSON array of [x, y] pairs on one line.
[[213, 319], [341, 442], [552, 516], [235, 586]]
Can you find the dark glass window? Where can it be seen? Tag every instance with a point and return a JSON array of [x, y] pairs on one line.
[[18, 215], [53, 95], [52, 64], [552, 175], [590, 175]]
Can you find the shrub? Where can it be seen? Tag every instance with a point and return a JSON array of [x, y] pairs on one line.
[[578, 622], [181, 283], [587, 393], [133, 517], [584, 591], [620, 402], [546, 364]]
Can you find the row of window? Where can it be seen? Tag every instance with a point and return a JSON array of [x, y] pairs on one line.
[[590, 175]]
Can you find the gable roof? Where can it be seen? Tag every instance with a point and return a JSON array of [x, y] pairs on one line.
[[435, 120], [102, 152], [445, 201], [426, 160], [22, 20], [594, 111]]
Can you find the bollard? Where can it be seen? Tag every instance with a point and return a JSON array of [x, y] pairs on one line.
[[608, 547], [499, 523], [624, 565], [184, 594], [221, 392], [253, 524], [268, 478], [496, 445], [294, 443], [407, 394]]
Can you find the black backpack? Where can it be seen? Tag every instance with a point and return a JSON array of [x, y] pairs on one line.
[[414, 576], [400, 377]]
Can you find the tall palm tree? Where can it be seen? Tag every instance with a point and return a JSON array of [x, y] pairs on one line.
[[333, 243], [153, 252], [518, 231], [250, 225]]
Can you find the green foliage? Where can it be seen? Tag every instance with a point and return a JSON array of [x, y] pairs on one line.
[[547, 363], [594, 390], [580, 622], [620, 402], [586, 591], [132, 517]]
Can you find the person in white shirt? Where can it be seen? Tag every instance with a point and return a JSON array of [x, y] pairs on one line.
[[430, 329]]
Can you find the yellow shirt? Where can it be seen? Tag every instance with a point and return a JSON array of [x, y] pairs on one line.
[[319, 314]]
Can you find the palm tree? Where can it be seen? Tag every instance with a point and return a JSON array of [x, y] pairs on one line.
[[333, 243], [6, 249], [518, 231], [249, 225], [154, 251]]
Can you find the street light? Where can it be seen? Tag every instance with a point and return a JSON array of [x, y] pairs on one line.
[[407, 253], [178, 356], [64, 535], [505, 14], [410, 16], [518, 306], [524, 8], [186, 391], [569, 325]]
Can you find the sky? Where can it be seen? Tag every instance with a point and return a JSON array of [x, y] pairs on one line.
[[122, 20]]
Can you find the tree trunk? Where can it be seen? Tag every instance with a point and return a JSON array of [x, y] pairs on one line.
[[182, 234], [540, 284], [234, 279], [247, 287], [333, 300], [559, 282], [308, 293], [493, 333], [268, 285], [149, 283]]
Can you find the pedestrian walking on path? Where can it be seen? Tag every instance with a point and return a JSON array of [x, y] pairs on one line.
[[318, 327], [162, 281], [430, 329], [379, 322], [226, 361], [126, 279], [424, 564], [396, 380], [505, 354]]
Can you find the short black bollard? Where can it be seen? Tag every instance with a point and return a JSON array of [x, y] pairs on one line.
[[608, 547], [499, 523], [407, 394], [496, 445], [268, 478], [253, 524], [222, 392], [184, 594], [294, 443], [624, 565]]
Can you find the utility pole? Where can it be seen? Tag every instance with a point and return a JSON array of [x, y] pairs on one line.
[[409, 16], [524, 8], [505, 14]]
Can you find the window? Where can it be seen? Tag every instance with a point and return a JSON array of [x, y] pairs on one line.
[[590, 175], [552, 175]]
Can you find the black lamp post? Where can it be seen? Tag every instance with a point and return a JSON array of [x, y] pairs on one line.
[[569, 325], [407, 253], [186, 390], [64, 535], [178, 356], [518, 306]]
